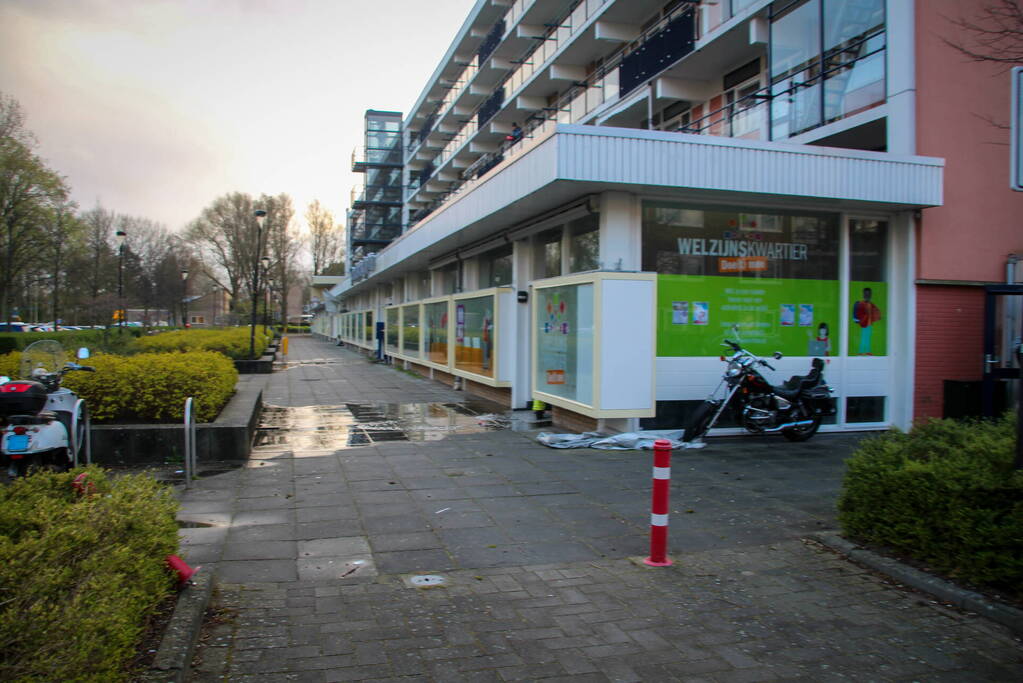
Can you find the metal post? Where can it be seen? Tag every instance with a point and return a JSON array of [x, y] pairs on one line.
[[659, 506], [260, 217]]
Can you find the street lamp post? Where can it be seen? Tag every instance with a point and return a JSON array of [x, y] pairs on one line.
[[260, 215], [265, 263], [268, 308], [120, 236], [184, 298]]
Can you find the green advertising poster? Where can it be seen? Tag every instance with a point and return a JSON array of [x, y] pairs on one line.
[[868, 334], [696, 313]]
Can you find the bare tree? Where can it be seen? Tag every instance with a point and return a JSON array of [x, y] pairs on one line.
[[225, 238], [28, 190], [99, 255], [149, 244], [992, 33], [326, 237], [62, 232], [282, 244]]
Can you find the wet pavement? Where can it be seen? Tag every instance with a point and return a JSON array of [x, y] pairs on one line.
[[366, 478]]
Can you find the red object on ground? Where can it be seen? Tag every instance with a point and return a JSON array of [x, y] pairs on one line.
[[82, 485], [659, 506], [181, 569]]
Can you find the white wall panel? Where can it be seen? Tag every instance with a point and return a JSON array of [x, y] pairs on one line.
[[627, 347]]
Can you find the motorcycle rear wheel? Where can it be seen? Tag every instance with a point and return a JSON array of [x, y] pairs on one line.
[[699, 423], [803, 432]]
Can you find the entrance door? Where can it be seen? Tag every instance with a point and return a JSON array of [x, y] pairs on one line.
[[1003, 333]]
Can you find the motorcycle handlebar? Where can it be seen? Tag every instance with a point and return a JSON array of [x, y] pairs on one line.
[[767, 365], [735, 347]]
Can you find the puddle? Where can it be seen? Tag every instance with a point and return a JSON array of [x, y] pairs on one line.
[[364, 424]]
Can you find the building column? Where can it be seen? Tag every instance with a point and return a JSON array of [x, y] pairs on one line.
[[620, 223], [522, 275]]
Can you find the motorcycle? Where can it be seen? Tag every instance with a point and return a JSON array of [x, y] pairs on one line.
[[43, 425], [795, 408]]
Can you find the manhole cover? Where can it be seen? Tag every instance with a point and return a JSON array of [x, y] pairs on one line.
[[427, 580]]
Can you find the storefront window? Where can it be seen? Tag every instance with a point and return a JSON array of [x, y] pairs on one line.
[[436, 332], [564, 325], [474, 335], [392, 329], [410, 330], [360, 326], [868, 287], [584, 244], [369, 333], [773, 275]]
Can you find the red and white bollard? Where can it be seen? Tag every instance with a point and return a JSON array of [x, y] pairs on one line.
[[659, 507]]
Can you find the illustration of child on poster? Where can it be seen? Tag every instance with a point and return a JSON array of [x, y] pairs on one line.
[[821, 345], [865, 314]]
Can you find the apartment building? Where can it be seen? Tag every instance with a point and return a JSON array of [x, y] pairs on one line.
[[596, 193]]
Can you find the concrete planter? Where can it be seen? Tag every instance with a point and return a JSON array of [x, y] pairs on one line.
[[229, 437], [263, 366]]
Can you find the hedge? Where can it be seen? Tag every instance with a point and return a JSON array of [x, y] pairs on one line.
[[149, 387], [110, 340], [80, 574], [945, 494], [233, 342]]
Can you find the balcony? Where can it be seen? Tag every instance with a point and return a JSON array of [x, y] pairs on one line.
[[363, 158], [375, 195]]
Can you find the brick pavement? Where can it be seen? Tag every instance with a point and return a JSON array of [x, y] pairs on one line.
[[313, 550]]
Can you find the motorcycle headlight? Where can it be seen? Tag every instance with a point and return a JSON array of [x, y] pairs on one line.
[[734, 370]]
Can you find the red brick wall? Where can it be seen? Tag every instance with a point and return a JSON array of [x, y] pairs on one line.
[[500, 395], [572, 421], [949, 342]]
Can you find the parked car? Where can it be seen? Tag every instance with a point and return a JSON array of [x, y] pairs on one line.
[[13, 327]]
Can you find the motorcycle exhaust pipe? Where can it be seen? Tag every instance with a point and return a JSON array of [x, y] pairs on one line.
[[801, 423]]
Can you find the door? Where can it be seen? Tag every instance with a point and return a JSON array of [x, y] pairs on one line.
[[1003, 333]]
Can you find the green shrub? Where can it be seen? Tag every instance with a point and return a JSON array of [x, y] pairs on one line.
[[80, 575], [233, 342], [152, 387], [946, 494]]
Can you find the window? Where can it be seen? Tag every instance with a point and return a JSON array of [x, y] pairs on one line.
[[827, 62], [584, 244], [547, 254], [496, 267], [775, 275], [868, 287]]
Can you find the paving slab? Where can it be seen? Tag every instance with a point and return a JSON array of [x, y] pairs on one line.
[[539, 550]]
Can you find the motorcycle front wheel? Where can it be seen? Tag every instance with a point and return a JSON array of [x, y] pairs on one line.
[[699, 422], [802, 432]]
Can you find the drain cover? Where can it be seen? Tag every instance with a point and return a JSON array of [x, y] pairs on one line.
[[427, 580]]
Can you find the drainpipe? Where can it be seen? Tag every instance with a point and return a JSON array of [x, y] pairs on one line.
[[1010, 269]]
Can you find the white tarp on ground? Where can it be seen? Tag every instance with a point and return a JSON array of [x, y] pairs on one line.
[[629, 441]]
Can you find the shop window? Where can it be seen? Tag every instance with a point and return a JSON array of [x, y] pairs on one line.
[[449, 283], [496, 267], [436, 339], [864, 409], [564, 353], [868, 287], [584, 244], [369, 334], [410, 331], [474, 335], [773, 275], [392, 329]]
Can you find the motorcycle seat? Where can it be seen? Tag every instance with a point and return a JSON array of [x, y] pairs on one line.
[[39, 419], [797, 384]]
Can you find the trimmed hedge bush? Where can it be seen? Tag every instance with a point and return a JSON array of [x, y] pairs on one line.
[[945, 494], [150, 387], [80, 574], [232, 342]]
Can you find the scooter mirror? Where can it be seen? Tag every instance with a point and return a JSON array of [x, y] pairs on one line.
[[83, 353], [776, 355], [4, 379]]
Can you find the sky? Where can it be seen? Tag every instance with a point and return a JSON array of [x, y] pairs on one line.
[[154, 108]]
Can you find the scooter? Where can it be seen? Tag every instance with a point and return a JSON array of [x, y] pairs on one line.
[[44, 426]]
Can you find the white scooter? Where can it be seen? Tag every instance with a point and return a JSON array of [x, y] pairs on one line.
[[44, 425]]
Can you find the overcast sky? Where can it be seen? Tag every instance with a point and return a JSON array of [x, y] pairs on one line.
[[156, 107]]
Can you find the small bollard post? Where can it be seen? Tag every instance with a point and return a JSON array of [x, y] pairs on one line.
[[284, 346], [659, 506]]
